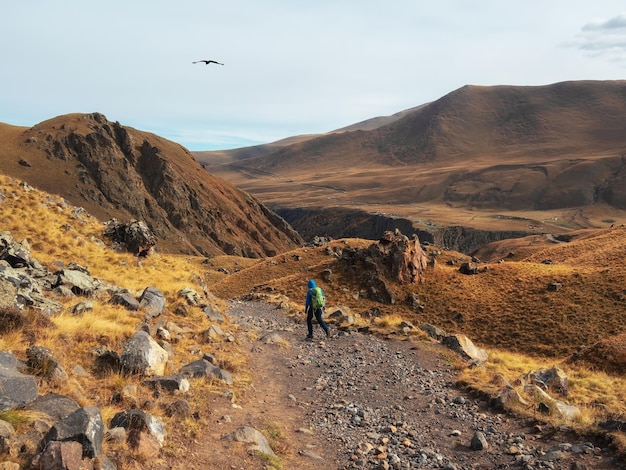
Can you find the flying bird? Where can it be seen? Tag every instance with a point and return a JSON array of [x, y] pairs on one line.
[[207, 62]]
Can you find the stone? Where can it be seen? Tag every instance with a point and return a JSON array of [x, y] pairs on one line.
[[134, 236], [16, 389], [125, 299], [479, 442], [139, 421], [203, 368], [251, 436], [84, 426], [466, 349], [142, 355], [152, 300], [168, 383], [54, 405]]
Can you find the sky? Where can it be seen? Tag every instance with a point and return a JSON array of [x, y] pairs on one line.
[[291, 67]]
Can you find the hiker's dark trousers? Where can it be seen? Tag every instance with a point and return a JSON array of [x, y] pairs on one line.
[[318, 318]]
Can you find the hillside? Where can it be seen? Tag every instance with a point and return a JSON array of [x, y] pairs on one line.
[[505, 307], [115, 171], [533, 157]]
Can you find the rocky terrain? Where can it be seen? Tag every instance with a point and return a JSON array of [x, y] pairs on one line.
[[362, 401]]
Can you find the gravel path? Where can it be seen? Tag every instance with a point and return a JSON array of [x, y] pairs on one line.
[[360, 401]]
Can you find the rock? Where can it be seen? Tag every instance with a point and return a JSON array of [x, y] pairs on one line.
[[464, 346], [179, 408], [60, 455], [468, 268], [125, 299], [552, 379], [403, 257], [142, 355], [190, 296], [272, 338], [134, 236], [139, 421], [42, 362], [84, 426], [433, 331], [153, 301], [479, 442], [58, 407], [16, 389], [251, 436], [213, 314], [79, 282], [82, 307], [106, 361], [168, 383], [203, 368]]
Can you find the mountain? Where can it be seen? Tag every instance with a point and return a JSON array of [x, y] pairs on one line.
[[212, 158], [475, 157], [114, 171]]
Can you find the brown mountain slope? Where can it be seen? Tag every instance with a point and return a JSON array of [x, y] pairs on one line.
[[503, 148], [209, 159], [116, 171]]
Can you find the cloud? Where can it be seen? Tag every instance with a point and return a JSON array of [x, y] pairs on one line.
[[605, 38]]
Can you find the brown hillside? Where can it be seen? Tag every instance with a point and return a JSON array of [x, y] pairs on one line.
[[116, 171], [559, 149]]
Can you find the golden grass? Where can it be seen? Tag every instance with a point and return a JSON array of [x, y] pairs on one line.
[[507, 309], [598, 396]]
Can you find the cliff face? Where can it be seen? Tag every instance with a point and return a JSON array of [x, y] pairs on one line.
[[117, 171]]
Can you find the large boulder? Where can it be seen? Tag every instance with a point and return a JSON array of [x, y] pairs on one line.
[[403, 257], [16, 389], [134, 236], [84, 426], [152, 300], [142, 355], [466, 349]]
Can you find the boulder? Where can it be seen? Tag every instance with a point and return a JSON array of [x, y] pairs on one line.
[[433, 331], [16, 389], [152, 300], [468, 268], [125, 299], [466, 349], [552, 379], [79, 282], [58, 407], [134, 237], [142, 355], [404, 258], [84, 426], [139, 421]]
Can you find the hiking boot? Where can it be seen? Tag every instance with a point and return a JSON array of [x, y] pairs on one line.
[[328, 333], [309, 337]]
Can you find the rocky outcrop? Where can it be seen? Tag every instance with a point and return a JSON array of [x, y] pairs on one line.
[[394, 258]]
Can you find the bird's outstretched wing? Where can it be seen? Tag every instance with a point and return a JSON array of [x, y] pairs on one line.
[[207, 62]]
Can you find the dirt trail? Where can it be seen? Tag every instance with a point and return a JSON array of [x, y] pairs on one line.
[[359, 401]]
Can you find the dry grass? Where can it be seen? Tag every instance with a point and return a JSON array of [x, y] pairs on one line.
[[506, 309]]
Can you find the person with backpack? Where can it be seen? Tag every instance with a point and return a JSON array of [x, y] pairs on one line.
[[314, 306]]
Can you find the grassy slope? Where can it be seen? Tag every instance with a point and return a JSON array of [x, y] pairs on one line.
[[507, 308]]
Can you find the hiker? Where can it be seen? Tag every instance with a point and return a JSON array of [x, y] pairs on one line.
[[315, 305]]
